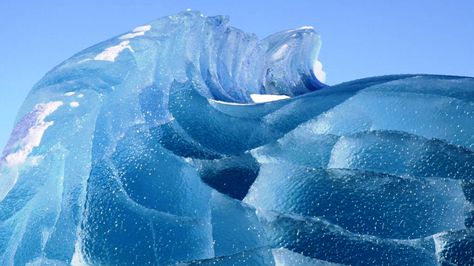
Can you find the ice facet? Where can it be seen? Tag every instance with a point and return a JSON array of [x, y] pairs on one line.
[[362, 202]]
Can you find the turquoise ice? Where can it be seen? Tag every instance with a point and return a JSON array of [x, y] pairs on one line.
[[189, 142]]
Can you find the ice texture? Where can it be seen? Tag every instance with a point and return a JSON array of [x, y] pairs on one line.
[[189, 142]]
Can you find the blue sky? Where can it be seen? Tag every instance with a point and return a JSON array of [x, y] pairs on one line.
[[360, 38]]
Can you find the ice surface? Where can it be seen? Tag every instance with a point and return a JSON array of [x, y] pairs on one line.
[[188, 142]]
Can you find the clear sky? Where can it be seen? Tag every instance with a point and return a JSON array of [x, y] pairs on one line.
[[360, 38]]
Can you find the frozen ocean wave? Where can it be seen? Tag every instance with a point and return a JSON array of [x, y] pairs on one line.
[[189, 142]]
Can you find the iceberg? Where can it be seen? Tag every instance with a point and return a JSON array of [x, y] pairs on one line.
[[187, 141]]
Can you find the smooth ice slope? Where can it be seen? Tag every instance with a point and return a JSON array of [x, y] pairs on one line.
[[189, 142]]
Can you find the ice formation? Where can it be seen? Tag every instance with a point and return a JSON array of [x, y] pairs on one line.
[[189, 142]]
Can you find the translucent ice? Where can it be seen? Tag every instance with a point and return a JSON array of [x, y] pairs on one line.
[[189, 142]]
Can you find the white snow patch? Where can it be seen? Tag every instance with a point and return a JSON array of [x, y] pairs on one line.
[[143, 28], [70, 93], [131, 35], [34, 135], [111, 53], [138, 31], [213, 102], [263, 98], [74, 104], [318, 71], [80, 95]]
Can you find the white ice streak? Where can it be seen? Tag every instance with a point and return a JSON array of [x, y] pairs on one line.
[[35, 134], [281, 52], [439, 244], [78, 257]]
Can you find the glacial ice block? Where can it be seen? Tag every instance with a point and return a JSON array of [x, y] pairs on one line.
[[155, 148]]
